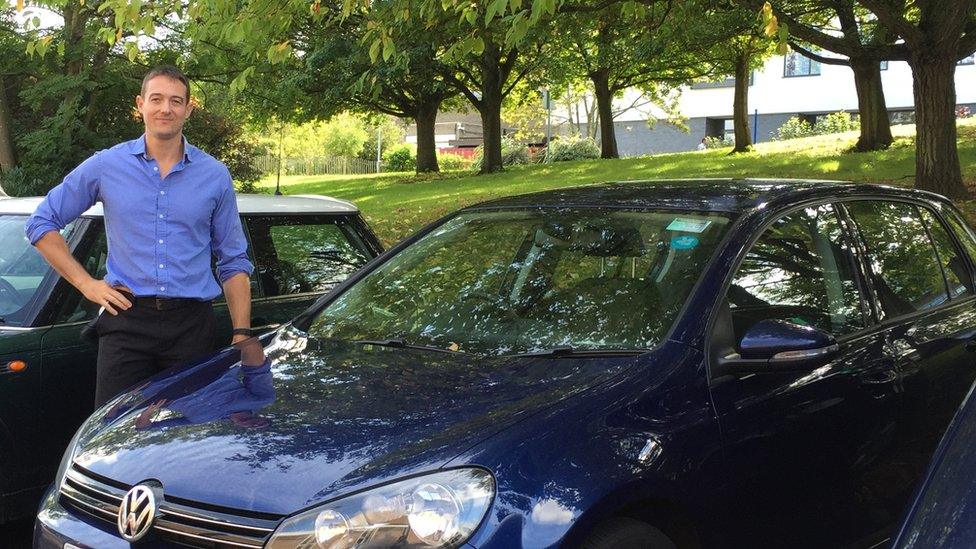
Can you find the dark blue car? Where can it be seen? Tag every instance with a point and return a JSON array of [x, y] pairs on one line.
[[661, 364], [943, 514]]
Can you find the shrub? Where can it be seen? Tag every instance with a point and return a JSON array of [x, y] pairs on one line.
[[794, 128], [712, 142], [19, 181], [224, 138], [513, 153], [837, 122], [450, 162], [563, 149], [400, 158]]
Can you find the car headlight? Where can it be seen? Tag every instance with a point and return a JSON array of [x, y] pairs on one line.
[[437, 510]]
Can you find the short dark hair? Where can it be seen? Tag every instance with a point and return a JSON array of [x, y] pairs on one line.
[[168, 71]]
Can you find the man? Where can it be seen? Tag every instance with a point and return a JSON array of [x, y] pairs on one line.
[[169, 207]]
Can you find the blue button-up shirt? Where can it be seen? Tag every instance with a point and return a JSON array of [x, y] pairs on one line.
[[162, 232]]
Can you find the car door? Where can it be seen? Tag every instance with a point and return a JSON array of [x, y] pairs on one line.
[[923, 289], [298, 258], [69, 360], [799, 442]]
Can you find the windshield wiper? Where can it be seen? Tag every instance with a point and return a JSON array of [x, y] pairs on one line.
[[567, 351], [399, 343]]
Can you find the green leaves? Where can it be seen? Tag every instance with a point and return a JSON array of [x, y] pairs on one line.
[[495, 7], [38, 47], [239, 82], [276, 54], [132, 50]]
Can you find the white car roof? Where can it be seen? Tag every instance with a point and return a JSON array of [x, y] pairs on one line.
[[246, 203]]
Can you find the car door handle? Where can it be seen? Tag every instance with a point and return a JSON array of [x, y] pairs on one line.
[[880, 378]]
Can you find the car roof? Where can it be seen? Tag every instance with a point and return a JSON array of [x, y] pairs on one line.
[[246, 204], [721, 195]]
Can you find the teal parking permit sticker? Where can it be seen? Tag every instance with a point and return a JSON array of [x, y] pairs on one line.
[[684, 242], [686, 225]]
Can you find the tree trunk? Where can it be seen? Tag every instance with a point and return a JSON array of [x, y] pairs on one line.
[[426, 116], [490, 108], [740, 105], [871, 107], [7, 159], [604, 106], [936, 157]]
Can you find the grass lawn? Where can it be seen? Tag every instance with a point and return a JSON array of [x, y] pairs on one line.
[[399, 203]]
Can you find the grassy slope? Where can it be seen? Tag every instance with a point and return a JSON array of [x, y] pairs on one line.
[[398, 204]]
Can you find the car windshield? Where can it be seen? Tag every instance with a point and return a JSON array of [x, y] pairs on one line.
[[523, 281], [22, 270]]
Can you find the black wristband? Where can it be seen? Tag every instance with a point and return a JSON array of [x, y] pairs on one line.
[[243, 332]]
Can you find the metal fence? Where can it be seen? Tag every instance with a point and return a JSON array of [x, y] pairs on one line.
[[320, 165]]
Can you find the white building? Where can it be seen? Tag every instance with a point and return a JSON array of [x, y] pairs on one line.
[[786, 86]]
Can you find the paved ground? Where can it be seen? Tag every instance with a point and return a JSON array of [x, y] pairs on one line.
[[16, 535]]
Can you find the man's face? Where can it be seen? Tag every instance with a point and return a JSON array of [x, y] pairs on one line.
[[164, 107]]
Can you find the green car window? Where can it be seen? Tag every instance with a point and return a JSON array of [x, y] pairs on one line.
[[22, 270]]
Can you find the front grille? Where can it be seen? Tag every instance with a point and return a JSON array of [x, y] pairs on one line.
[[179, 521]]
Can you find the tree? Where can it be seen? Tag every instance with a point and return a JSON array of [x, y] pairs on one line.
[[744, 50], [936, 34], [863, 42], [652, 46], [480, 46], [340, 73], [932, 36]]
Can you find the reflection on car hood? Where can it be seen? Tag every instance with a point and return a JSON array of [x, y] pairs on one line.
[[340, 417]]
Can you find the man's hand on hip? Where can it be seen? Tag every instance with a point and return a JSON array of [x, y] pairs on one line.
[[103, 295]]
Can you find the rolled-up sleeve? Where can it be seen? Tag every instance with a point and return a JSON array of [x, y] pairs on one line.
[[65, 202], [227, 236]]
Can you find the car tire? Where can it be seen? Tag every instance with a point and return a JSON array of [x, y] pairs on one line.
[[627, 533]]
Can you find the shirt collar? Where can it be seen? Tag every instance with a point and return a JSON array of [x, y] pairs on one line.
[[138, 147]]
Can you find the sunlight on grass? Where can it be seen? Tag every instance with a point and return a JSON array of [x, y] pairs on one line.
[[396, 204]]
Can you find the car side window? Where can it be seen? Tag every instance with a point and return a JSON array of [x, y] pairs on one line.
[[953, 264], [964, 234], [302, 254], [800, 270], [76, 308], [902, 258]]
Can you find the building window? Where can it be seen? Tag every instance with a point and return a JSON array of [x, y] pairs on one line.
[[884, 65], [795, 64], [967, 60]]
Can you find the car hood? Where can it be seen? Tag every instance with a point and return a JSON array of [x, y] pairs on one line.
[[319, 419]]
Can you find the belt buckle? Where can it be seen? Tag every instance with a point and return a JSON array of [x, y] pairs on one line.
[[158, 305]]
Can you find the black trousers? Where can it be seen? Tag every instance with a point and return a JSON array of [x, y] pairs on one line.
[[142, 341]]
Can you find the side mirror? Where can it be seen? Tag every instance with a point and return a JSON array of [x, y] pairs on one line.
[[772, 345]]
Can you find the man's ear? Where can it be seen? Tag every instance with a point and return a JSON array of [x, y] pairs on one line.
[[139, 102], [189, 108]]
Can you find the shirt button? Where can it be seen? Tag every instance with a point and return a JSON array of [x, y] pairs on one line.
[[162, 288], [155, 169], [160, 241], [161, 216], [162, 192], [161, 266]]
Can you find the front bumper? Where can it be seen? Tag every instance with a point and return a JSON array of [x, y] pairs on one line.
[[59, 528]]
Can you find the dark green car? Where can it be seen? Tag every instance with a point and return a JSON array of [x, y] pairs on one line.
[[301, 247]]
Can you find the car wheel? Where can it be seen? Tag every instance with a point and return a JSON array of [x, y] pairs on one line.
[[627, 533]]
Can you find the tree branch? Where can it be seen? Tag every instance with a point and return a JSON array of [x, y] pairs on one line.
[[888, 17]]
